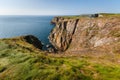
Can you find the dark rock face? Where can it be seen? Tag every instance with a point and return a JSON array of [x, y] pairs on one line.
[[33, 40], [82, 33]]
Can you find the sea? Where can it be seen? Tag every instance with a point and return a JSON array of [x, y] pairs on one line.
[[39, 26]]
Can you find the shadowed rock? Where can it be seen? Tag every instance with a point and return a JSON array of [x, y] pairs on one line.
[[33, 40]]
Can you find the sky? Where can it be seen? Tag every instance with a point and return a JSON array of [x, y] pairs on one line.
[[58, 7]]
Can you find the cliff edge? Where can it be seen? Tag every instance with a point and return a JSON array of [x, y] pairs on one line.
[[80, 33]]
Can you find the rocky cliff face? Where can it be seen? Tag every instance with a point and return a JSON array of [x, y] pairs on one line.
[[73, 34], [61, 35]]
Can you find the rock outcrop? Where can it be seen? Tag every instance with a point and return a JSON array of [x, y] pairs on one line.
[[73, 34], [61, 35], [32, 40]]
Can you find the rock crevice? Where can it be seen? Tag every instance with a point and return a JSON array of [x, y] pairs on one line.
[[61, 35]]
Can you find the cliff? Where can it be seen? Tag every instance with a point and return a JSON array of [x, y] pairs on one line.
[[80, 33], [61, 35]]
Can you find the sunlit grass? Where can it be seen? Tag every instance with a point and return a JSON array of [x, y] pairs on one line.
[[24, 62]]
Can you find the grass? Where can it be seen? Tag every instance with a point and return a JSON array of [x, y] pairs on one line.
[[82, 16], [108, 73], [24, 62], [115, 33], [110, 14]]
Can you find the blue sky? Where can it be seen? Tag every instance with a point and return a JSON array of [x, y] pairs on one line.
[[58, 7]]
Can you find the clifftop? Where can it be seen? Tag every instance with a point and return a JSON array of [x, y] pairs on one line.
[[81, 33], [90, 16], [29, 42]]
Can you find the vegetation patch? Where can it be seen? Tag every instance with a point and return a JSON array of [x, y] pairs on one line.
[[19, 63]]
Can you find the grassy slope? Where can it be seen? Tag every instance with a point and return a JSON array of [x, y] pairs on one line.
[[22, 61]]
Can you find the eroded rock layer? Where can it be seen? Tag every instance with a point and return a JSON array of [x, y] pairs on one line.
[[61, 35], [85, 33]]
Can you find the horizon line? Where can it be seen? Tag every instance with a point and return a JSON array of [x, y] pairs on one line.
[[53, 14]]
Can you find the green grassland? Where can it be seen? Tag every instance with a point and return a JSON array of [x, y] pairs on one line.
[[88, 15], [110, 14], [20, 60]]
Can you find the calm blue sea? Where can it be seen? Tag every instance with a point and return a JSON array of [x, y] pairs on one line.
[[12, 26]]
